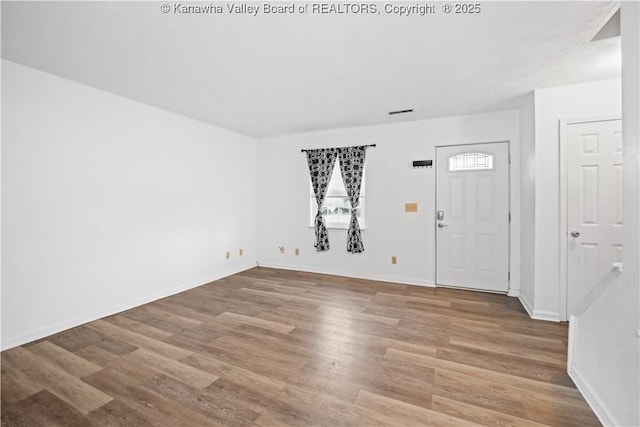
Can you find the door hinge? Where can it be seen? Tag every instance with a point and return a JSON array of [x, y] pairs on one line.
[[509, 276], [509, 216], [509, 158]]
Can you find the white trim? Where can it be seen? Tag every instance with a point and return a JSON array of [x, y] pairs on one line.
[[63, 326], [462, 288], [601, 23], [598, 289], [513, 293], [511, 283], [550, 316], [573, 333], [562, 241], [527, 306], [383, 278], [593, 400]]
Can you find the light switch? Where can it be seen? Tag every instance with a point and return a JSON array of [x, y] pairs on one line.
[[411, 207]]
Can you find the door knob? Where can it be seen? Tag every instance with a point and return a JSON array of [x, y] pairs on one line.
[[575, 234], [441, 225]]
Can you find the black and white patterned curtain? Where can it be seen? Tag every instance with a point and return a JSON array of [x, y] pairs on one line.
[[321, 164], [352, 167]]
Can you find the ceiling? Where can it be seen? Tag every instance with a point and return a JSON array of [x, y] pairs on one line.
[[270, 74]]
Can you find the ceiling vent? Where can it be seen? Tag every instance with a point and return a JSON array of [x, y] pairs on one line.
[[610, 29]]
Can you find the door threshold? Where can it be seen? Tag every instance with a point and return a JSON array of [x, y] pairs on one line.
[[462, 288]]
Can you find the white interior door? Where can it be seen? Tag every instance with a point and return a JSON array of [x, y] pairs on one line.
[[472, 216], [594, 205]]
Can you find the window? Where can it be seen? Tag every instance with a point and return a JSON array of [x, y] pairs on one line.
[[470, 161], [337, 208]]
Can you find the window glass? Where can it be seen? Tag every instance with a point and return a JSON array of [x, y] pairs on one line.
[[470, 161], [337, 208]]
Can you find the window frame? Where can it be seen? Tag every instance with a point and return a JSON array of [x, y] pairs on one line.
[[340, 225], [489, 164]]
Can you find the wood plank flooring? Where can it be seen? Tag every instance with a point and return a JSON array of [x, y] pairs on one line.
[[270, 347]]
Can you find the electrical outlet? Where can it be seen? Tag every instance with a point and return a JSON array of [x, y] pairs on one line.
[[394, 260], [297, 251], [228, 255], [241, 252], [281, 249]]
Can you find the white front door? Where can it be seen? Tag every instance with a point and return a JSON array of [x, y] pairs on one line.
[[594, 205], [472, 216]]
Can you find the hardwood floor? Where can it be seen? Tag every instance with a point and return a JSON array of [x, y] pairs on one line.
[[271, 347]]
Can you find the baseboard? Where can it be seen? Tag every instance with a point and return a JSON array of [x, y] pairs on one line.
[[573, 333], [593, 400], [527, 306], [378, 278], [50, 330], [550, 316]]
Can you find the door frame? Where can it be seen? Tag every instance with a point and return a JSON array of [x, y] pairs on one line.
[[563, 129], [435, 209]]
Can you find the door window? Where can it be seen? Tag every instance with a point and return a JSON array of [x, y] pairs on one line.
[[470, 161]]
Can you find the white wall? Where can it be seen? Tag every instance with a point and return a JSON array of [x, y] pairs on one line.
[[527, 201], [606, 351], [552, 105], [391, 182], [109, 203]]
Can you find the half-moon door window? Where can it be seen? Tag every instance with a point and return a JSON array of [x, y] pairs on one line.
[[470, 161]]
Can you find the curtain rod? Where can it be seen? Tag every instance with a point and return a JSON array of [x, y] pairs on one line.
[[370, 145]]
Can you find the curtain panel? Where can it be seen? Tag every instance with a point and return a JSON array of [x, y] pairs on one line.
[[321, 163], [352, 168]]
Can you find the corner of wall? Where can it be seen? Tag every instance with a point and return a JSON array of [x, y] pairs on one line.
[[593, 400], [527, 202], [111, 241], [550, 316], [526, 304], [605, 350], [590, 395]]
